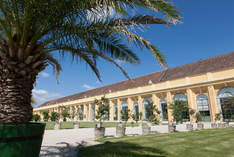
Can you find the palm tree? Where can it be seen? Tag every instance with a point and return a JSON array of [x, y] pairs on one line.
[[34, 33]]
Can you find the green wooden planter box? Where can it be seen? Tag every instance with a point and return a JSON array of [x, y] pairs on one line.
[[21, 140]]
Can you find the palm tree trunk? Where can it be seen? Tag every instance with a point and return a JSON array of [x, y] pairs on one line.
[[15, 96]]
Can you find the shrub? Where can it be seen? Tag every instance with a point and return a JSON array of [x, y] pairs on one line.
[[36, 117], [54, 116]]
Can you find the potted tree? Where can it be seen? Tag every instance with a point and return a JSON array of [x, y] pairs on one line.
[[217, 118], [79, 114], [46, 115], [140, 119], [36, 117], [64, 113], [33, 34], [198, 117], [179, 109], [102, 110], [54, 117], [189, 126], [152, 114], [121, 127]]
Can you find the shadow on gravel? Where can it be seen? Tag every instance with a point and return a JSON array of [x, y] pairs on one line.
[[120, 149], [62, 149]]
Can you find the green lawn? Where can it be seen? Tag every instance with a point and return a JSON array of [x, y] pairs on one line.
[[205, 143], [67, 125], [105, 124], [50, 125]]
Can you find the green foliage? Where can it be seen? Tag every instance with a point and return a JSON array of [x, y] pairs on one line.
[[64, 113], [218, 116], [136, 116], [125, 115], [103, 108], [152, 112], [36, 117], [140, 115], [76, 28], [198, 117], [46, 115], [54, 116], [80, 113], [179, 110]]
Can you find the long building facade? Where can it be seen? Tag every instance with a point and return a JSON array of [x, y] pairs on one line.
[[204, 84]]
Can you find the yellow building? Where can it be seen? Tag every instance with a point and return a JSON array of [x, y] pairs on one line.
[[204, 84]]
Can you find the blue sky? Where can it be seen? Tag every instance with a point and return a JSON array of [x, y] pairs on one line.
[[207, 30]]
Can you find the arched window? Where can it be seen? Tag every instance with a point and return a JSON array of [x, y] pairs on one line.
[[224, 106], [136, 110], [115, 112], [124, 106], [163, 109], [182, 97], [73, 113], [203, 107], [87, 113], [93, 112], [144, 104], [107, 115], [82, 112]]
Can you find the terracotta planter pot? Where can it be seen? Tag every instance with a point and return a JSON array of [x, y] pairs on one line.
[[57, 126], [189, 127], [200, 126], [171, 127], [146, 130], [120, 130], [99, 132], [76, 125], [213, 125]]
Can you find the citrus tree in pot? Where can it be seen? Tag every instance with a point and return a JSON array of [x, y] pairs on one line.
[[54, 117], [121, 128], [102, 110], [153, 116], [34, 33]]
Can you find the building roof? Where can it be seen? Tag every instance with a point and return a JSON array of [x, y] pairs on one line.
[[195, 68]]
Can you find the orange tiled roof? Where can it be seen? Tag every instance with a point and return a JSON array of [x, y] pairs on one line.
[[195, 68]]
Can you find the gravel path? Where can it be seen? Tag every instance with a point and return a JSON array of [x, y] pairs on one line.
[[64, 143]]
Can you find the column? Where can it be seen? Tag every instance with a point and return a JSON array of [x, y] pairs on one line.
[[119, 109], [192, 104], [156, 100], [169, 101], [111, 105], [212, 102], [85, 112], [96, 109], [140, 107], [130, 107], [90, 112]]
